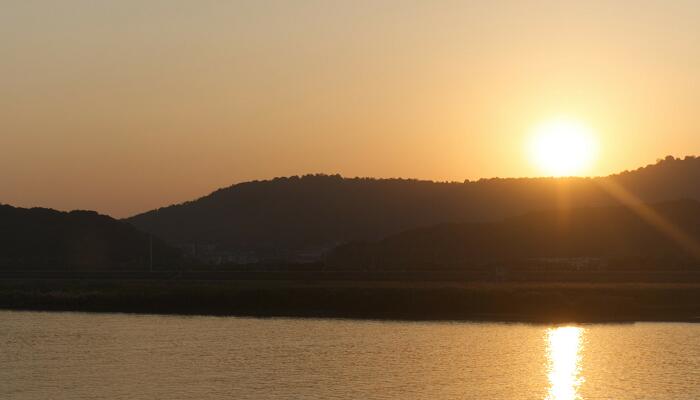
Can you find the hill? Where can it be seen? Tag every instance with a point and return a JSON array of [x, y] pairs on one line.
[[41, 238], [593, 239], [301, 217]]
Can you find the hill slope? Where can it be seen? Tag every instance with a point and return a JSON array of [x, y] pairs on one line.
[[612, 236], [285, 217], [41, 238]]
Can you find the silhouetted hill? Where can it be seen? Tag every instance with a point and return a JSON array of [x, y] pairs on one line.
[[299, 217], [41, 238], [595, 238]]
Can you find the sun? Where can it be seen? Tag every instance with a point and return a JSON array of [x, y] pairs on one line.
[[563, 147]]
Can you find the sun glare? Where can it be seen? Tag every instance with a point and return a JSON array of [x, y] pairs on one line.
[[563, 147], [564, 352]]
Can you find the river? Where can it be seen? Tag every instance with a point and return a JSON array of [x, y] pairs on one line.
[[122, 356]]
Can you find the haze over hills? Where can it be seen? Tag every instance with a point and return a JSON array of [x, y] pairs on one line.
[[41, 239], [597, 238], [302, 217]]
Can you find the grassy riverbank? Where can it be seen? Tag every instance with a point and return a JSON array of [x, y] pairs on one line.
[[532, 302]]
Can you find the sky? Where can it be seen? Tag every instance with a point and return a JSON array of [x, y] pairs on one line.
[[123, 106]]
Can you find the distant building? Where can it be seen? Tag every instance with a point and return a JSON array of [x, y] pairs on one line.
[[570, 263]]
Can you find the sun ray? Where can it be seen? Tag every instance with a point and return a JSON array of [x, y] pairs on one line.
[[650, 216]]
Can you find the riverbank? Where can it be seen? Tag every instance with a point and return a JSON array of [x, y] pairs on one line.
[[516, 302]]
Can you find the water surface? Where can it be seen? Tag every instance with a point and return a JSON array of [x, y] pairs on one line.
[[119, 356]]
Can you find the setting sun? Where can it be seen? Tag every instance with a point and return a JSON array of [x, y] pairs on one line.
[[563, 147], [240, 186]]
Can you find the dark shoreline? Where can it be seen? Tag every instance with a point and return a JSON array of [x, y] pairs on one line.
[[367, 300]]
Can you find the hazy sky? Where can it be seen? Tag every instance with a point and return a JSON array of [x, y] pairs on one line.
[[122, 106]]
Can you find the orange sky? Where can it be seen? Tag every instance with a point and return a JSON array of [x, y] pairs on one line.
[[123, 106]]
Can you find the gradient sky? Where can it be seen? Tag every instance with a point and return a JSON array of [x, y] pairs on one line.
[[123, 106]]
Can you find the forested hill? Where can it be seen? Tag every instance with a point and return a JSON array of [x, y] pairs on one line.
[[41, 238], [287, 215], [615, 236]]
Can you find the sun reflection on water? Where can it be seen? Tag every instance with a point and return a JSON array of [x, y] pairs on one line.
[[564, 359]]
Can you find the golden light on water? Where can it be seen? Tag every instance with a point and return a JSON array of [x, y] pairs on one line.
[[563, 147], [564, 355]]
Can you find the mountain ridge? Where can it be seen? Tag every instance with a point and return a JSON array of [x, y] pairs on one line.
[[284, 217]]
